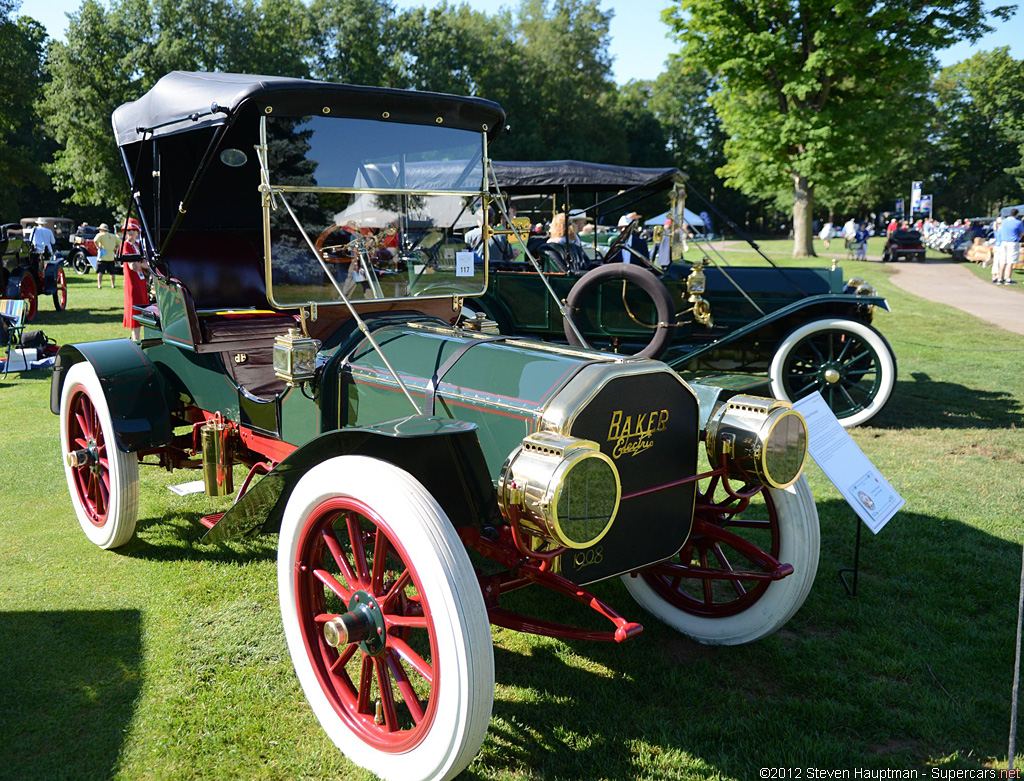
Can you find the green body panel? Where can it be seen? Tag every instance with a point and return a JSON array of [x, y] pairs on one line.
[[502, 387], [198, 376], [300, 417], [133, 387]]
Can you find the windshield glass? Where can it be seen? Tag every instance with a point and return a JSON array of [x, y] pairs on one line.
[[393, 211]]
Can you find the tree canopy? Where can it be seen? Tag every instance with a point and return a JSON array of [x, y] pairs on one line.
[[766, 105], [980, 111], [21, 73], [818, 93]]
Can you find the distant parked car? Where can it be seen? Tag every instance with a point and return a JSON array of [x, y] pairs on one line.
[[801, 329], [982, 227], [83, 247], [62, 227], [903, 244], [26, 274]]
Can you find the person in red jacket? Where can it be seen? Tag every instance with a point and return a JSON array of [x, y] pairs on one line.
[[134, 268]]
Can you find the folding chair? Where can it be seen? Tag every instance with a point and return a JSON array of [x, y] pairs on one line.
[[13, 311]]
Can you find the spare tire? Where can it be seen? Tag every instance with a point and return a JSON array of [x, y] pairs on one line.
[[635, 275]]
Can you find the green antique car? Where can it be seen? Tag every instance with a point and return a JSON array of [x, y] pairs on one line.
[[308, 242], [805, 329]]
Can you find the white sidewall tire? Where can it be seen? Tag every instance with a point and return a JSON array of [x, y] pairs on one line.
[[466, 656], [800, 543], [123, 509], [886, 363]]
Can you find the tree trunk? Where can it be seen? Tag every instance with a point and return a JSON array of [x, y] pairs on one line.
[[803, 208]]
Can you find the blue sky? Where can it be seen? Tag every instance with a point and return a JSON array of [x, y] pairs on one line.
[[640, 43]]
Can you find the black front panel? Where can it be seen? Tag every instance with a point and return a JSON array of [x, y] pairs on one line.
[[648, 425]]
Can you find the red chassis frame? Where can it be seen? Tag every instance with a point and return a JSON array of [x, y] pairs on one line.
[[524, 564]]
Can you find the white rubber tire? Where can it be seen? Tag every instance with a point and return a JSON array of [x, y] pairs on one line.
[[886, 363], [799, 545], [466, 688], [122, 468]]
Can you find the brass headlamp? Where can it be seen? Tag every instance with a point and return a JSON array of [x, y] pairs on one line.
[[560, 488], [696, 284], [859, 287], [760, 439]]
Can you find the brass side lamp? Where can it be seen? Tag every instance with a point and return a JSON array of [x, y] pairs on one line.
[[294, 357]]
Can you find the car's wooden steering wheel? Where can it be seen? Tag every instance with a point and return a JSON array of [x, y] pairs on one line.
[[325, 234], [620, 240]]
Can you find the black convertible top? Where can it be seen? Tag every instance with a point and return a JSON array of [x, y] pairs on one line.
[[182, 101], [532, 177]]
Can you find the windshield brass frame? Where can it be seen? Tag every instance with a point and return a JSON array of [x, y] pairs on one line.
[[269, 190]]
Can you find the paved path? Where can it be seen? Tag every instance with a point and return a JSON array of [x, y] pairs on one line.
[[950, 283], [944, 281]]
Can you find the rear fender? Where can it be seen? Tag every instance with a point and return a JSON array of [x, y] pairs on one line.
[[134, 390], [443, 454]]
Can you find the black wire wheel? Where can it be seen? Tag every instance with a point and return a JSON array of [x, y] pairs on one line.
[[848, 362]]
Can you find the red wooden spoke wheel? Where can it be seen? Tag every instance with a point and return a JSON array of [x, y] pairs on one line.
[[379, 681], [102, 479], [91, 472], [722, 548], [743, 572], [60, 291], [30, 294], [384, 620]]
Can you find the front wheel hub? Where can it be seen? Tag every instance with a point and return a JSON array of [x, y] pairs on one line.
[[85, 456], [832, 376], [362, 624]]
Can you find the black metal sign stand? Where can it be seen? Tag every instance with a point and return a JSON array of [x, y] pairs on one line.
[[855, 569]]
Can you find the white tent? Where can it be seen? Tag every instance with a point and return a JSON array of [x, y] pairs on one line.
[[439, 211], [693, 220]]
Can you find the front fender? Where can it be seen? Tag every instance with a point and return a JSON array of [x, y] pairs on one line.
[[132, 386], [50, 275], [443, 454], [827, 303]]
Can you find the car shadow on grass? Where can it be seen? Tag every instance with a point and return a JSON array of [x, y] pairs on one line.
[[925, 402], [914, 670], [178, 537], [69, 682], [72, 316]]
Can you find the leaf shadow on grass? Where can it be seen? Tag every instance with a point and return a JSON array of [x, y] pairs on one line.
[[68, 688], [924, 402], [916, 669]]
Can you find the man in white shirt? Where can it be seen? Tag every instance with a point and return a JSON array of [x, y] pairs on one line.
[[43, 240]]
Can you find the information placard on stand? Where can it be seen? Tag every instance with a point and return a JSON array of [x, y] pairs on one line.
[[870, 495]]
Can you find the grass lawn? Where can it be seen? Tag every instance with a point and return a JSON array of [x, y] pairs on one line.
[[165, 658]]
